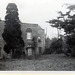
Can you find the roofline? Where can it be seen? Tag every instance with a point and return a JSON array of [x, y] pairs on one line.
[[29, 23], [33, 24]]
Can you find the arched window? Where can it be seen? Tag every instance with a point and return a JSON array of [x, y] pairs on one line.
[[29, 33]]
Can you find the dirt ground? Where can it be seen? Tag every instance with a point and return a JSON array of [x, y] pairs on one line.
[[53, 62]]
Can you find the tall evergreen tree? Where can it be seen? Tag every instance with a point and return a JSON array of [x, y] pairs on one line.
[[12, 31]]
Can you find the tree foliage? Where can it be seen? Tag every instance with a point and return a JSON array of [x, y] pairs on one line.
[[56, 46], [12, 31], [68, 24]]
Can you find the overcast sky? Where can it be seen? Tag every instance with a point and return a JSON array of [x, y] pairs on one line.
[[36, 11]]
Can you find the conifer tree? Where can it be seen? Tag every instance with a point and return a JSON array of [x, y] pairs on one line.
[[12, 31]]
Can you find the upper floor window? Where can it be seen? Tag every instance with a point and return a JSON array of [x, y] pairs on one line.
[[29, 33]]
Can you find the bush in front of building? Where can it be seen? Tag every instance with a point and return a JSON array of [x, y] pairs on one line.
[[56, 46]]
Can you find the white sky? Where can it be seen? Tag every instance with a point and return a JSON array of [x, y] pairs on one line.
[[36, 11]]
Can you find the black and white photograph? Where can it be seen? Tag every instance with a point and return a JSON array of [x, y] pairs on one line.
[[37, 35]]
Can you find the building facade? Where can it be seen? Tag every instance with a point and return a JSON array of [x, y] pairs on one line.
[[29, 32]]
